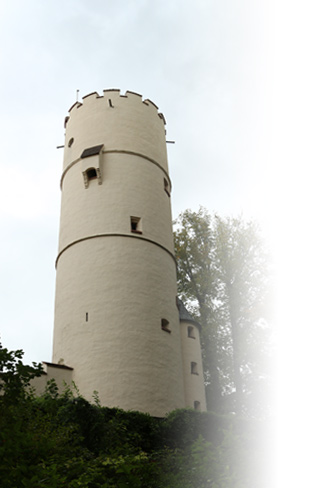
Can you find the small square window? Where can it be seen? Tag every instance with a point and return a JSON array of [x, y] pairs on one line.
[[91, 174], [194, 368], [190, 332], [165, 325], [136, 225], [166, 187]]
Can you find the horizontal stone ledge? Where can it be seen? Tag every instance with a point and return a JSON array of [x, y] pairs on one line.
[[115, 234]]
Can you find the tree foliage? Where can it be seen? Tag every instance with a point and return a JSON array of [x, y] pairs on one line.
[[223, 279], [63, 440], [15, 376]]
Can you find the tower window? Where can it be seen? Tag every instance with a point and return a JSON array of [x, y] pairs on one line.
[[136, 225], [166, 187], [70, 142], [165, 325], [197, 405], [190, 332], [91, 174], [194, 368]]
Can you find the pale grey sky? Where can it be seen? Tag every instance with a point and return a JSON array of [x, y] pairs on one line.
[[205, 63], [231, 79]]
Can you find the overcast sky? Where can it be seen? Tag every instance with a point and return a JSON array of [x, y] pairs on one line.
[[206, 64], [241, 85]]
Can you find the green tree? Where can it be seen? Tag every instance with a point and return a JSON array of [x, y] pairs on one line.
[[63, 440], [223, 279], [15, 376]]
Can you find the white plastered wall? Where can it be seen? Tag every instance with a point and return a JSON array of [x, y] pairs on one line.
[[114, 286], [191, 352], [61, 375], [119, 349]]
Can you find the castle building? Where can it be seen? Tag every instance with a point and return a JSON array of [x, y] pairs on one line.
[[119, 328]]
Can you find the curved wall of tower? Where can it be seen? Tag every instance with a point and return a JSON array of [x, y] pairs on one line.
[[116, 317], [192, 365]]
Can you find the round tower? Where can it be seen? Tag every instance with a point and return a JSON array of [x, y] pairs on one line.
[[116, 315]]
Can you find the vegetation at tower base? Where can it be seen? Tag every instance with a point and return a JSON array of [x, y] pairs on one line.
[[224, 280], [63, 440], [15, 376]]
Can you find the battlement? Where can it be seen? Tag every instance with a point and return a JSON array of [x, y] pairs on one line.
[[113, 96]]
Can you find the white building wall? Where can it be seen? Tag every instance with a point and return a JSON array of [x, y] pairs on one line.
[[193, 375], [115, 286], [62, 376]]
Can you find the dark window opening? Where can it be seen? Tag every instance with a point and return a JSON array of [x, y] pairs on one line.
[[165, 325], [91, 174], [190, 332], [194, 368], [166, 187], [136, 225], [86, 316], [70, 142], [197, 405]]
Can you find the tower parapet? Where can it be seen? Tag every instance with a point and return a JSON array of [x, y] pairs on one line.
[[126, 123]]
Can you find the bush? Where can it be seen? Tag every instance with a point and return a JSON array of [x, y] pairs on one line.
[[64, 440]]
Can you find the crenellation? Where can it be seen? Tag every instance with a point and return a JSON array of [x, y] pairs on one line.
[[92, 94], [133, 93], [116, 90], [76, 104], [149, 102], [161, 115], [114, 94]]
